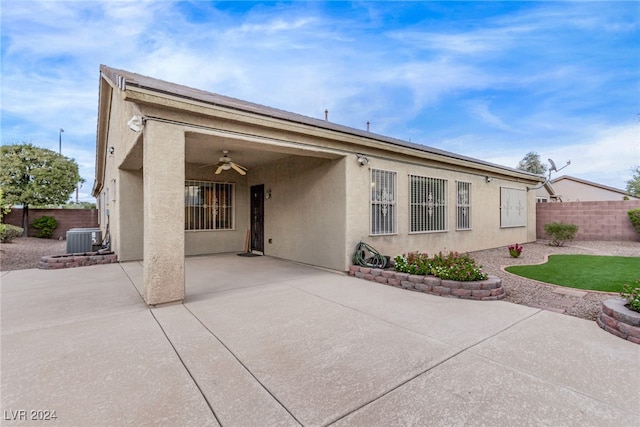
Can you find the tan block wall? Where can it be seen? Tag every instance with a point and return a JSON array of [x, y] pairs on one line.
[[67, 219], [606, 220]]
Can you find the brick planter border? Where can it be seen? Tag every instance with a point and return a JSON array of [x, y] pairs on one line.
[[54, 262], [620, 321], [484, 290]]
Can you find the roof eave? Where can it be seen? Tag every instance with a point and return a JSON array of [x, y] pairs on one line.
[[102, 134]]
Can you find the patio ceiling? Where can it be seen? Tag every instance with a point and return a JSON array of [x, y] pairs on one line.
[[249, 152]]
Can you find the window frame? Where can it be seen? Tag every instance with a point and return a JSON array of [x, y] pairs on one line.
[[415, 205], [461, 206], [389, 205], [205, 215]]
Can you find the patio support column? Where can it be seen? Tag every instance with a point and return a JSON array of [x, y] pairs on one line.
[[164, 173]]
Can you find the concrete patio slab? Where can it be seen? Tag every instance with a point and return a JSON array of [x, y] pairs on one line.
[[33, 299], [292, 344], [207, 274], [235, 396], [320, 359], [469, 390], [571, 353], [114, 370], [134, 272], [449, 320]]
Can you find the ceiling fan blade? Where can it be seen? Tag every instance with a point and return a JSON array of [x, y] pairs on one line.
[[219, 170], [238, 168], [206, 166]]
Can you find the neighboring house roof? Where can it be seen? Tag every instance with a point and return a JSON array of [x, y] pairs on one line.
[[123, 79], [591, 184], [550, 189]]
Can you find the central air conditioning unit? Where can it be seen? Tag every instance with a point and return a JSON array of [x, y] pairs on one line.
[[80, 240]]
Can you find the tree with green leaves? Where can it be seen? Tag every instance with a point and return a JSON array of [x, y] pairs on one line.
[[33, 176], [531, 163], [4, 207], [633, 185]]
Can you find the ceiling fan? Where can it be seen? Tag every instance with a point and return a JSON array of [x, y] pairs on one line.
[[226, 164]]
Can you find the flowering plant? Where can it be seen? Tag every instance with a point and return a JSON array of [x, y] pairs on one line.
[[515, 250], [632, 295], [451, 266]]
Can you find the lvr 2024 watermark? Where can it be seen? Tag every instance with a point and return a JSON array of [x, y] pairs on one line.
[[28, 415]]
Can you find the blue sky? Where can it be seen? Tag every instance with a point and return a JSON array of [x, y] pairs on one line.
[[491, 80]]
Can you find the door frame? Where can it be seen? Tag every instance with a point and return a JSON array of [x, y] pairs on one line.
[[257, 218]]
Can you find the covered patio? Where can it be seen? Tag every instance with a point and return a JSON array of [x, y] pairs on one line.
[[263, 341]]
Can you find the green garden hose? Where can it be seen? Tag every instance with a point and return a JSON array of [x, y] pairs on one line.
[[366, 256]]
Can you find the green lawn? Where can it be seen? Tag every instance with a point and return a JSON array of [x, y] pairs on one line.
[[598, 273]]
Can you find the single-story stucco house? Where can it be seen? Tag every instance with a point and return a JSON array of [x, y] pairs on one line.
[[181, 172], [571, 189]]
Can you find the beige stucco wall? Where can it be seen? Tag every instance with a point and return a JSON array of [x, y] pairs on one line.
[[305, 217], [319, 206], [164, 237], [485, 232], [129, 206], [210, 242], [122, 193], [572, 191]]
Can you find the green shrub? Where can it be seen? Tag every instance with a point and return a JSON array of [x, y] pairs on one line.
[[560, 233], [9, 232], [634, 217], [45, 226], [413, 263], [452, 266], [632, 295]]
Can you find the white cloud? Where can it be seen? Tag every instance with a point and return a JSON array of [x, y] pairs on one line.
[[472, 42], [524, 80], [604, 155], [480, 109]]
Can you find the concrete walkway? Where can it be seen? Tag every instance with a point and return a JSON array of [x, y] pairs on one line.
[[262, 342]]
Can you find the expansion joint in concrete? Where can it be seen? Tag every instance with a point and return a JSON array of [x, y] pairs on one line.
[[243, 366], [418, 375], [204, 396]]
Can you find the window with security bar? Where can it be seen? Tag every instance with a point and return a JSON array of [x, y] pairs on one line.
[[463, 205], [383, 202], [427, 204], [208, 205]]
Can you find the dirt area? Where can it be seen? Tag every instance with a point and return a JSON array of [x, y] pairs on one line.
[[25, 252]]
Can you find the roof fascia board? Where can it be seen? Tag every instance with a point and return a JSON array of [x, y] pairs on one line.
[[166, 100], [591, 184], [104, 113]]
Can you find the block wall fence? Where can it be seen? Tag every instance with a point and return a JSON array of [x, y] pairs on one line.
[[607, 220], [67, 219]]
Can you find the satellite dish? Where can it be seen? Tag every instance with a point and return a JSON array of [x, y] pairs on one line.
[[554, 168]]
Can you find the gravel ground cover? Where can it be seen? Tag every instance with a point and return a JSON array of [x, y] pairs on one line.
[[25, 252], [575, 302]]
